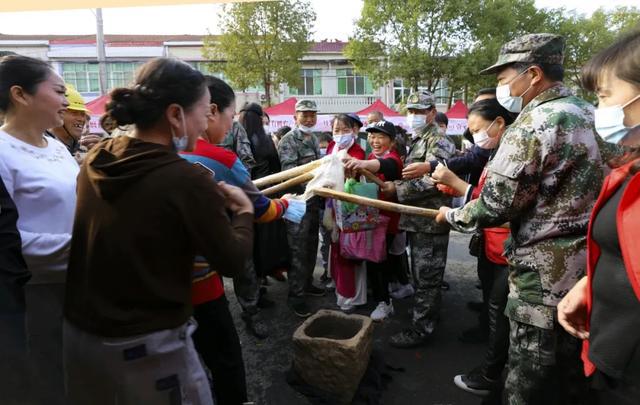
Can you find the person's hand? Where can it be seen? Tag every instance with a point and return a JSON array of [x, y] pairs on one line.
[[443, 175], [415, 170], [448, 190], [90, 140], [441, 218], [354, 165], [389, 189], [572, 310], [236, 200]]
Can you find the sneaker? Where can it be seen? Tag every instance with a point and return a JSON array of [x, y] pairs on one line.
[[404, 291], [474, 335], [331, 285], [382, 311], [301, 309], [315, 291], [475, 382], [408, 338], [394, 286], [348, 309], [256, 326]]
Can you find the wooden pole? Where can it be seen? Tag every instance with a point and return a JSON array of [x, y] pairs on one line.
[[303, 178], [371, 202], [287, 174]]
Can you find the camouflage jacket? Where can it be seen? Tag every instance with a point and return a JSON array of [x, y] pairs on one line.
[[297, 148], [237, 141], [429, 145], [544, 180]]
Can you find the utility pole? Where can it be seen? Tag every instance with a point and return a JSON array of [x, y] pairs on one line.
[[102, 59]]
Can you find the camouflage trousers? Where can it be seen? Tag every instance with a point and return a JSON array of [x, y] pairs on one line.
[[544, 367], [246, 286], [303, 246], [428, 260]]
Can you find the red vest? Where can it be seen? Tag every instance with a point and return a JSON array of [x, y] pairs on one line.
[[628, 223]]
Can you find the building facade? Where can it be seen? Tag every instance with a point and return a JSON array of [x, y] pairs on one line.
[[327, 76]]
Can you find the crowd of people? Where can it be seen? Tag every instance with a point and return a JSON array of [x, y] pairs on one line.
[[114, 249]]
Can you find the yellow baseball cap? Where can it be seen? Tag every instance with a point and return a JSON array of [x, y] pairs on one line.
[[76, 102]]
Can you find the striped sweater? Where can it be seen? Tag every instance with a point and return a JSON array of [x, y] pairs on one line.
[[207, 284]]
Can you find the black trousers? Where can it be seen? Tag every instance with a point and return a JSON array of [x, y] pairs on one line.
[[381, 274], [216, 339], [486, 274]]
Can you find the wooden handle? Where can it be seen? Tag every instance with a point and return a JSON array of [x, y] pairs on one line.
[[287, 174], [303, 178], [372, 177], [371, 202]]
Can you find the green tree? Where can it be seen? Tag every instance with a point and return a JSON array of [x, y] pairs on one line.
[[408, 39], [586, 36], [262, 43]]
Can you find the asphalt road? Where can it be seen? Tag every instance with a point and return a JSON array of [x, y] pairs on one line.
[[429, 370]]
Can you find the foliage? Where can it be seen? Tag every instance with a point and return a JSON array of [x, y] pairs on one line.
[[262, 43]]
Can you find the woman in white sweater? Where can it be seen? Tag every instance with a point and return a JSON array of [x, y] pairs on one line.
[[40, 176]]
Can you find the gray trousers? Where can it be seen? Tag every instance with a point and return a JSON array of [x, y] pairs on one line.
[[303, 245], [428, 261], [247, 288], [160, 368]]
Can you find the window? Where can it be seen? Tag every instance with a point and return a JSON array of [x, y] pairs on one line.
[[83, 76], [311, 83], [121, 74], [208, 68], [350, 83]]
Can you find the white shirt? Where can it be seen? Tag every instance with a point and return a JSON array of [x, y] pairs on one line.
[[42, 183]]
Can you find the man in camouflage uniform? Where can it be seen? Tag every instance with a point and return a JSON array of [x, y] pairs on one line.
[[543, 180], [429, 241], [298, 147], [237, 141]]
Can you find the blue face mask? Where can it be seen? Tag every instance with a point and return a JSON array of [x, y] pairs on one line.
[[609, 122], [180, 143], [510, 103], [343, 141]]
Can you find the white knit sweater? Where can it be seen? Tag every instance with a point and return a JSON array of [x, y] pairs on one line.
[[42, 183]]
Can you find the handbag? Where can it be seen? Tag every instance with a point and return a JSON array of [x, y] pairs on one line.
[[353, 217], [369, 245]]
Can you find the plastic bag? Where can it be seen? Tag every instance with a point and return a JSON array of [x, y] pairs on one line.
[[329, 175], [353, 217]]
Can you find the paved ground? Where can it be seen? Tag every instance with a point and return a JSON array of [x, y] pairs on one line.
[[428, 379]]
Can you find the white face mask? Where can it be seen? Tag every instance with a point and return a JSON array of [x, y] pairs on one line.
[[180, 143], [308, 130], [266, 129], [609, 122], [343, 141], [483, 140], [511, 103], [323, 151], [415, 121]]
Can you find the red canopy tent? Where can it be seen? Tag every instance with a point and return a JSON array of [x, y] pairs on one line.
[[287, 107], [97, 106], [379, 106], [457, 115], [458, 110]]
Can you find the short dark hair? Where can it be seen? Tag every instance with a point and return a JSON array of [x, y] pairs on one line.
[[490, 109], [23, 71], [486, 91], [222, 94], [282, 131], [159, 83], [553, 72], [441, 118]]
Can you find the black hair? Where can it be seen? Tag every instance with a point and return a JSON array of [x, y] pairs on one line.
[[222, 94], [23, 71], [346, 120], [486, 91], [251, 120], [325, 136], [553, 72], [282, 131], [490, 109], [158, 84], [622, 58], [441, 118], [264, 114]]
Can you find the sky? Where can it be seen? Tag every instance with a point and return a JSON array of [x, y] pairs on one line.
[[335, 18]]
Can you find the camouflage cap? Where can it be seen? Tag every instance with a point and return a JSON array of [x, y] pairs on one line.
[[533, 48], [306, 105], [421, 100]]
